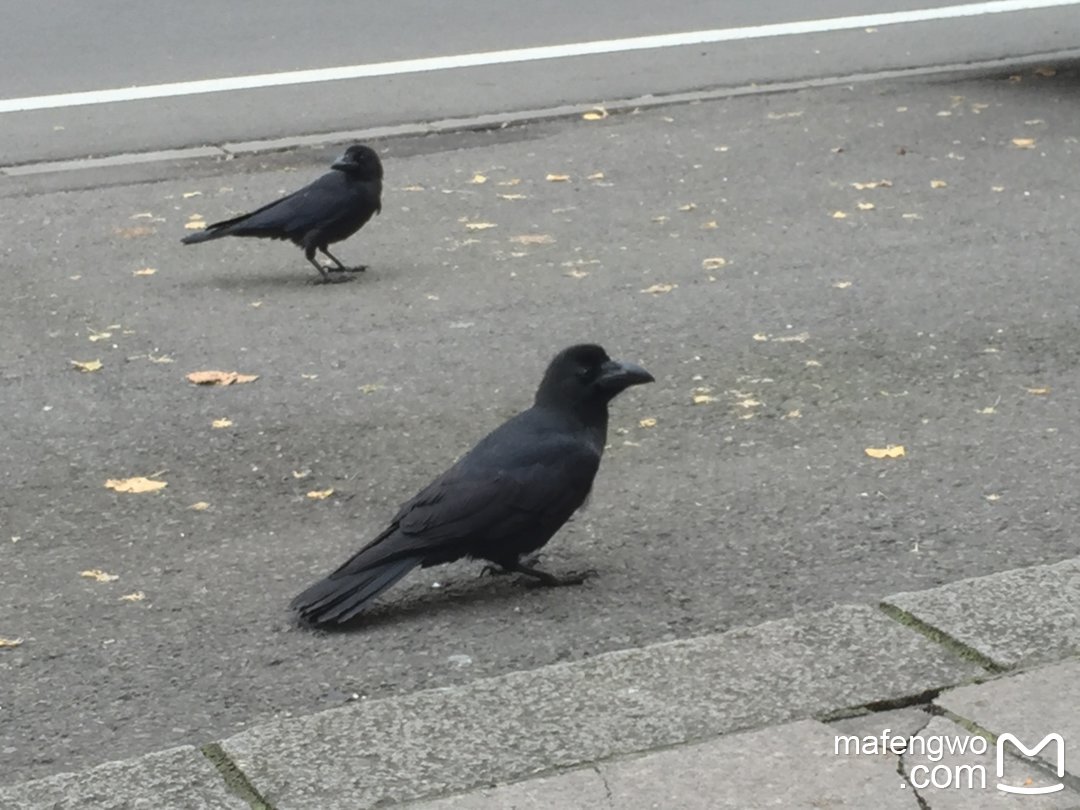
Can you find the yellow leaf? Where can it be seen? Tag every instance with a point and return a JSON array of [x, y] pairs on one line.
[[813, 364], [989, 409], [891, 451], [221, 423], [748, 403], [98, 575], [137, 484], [866, 206], [412, 188], [997, 188], [938, 184], [480, 226], [200, 506], [775, 116], [595, 176], [660, 218], [89, 365], [715, 263], [795, 414], [96, 336], [576, 273], [301, 473], [557, 178], [872, 184], [220, 377], [993, 497], [1046, 71], [370, 388], [688, 207], [710, 225], [195, 225], [911, 216], [146, 271], [842, 285], [189, 194], [478, 179], [320, 494], [597, 114], [10, 642], [512, 196], [703, 399], [1024, 143], [839, 215], [648, 422], [533, 239], [137, 596], [159, 358], [1039, 392], [760, 337], [656, 289]]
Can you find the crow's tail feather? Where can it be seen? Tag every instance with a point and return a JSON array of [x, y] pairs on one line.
[[204, 235], [340, 597]]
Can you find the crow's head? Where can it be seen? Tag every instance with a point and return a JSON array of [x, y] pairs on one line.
[[583, 376], [361, 162]]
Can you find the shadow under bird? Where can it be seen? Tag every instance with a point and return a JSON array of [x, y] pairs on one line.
[[501, 501], [329, 210]]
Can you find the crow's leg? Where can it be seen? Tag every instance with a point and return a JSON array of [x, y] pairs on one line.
[[546, 579], [325, 277], [360, 268]]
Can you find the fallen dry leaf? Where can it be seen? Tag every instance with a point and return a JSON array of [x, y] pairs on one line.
[[992, 497], [98, 575], [533, 239], [480, 226], [220, 377], [512, 196], [370, 388], [9, 642], [595, 176], [813, 364], [710, 225], [688, 207], [989, 409], [703, 399], [89, 365], [511, 182], [774, 116], [196, 225], [866, 206], [760, 337], [597, 114], [714, 263], [839, 215], [137, 596], [911, 216], [320, 494], [872, 184], [221, 423], [938, 184], [136, 484], [842, 285], [200, 506], [795, 414], [1024, 143], [557, 178], [1039, 392], [576, 273], [648, 422], [656, 289], [891, 451], [1046, 72], [146, 271], [997, 188], [189, 194], [748, 403], [478, 179]]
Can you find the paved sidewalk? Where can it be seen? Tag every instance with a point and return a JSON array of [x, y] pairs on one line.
[[790, 713]]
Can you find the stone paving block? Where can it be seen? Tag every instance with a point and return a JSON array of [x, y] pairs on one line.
[[1028, 705], [581, 789], [1016, 618], [509, 728], [953, 769], [175, 778]]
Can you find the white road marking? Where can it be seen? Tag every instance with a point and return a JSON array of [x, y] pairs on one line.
[[486, 58]]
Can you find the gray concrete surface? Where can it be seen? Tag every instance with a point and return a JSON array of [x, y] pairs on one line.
[[209, 42], [177, 778], [851, 333], [1029, 705], [510, 727], [1033, 615]]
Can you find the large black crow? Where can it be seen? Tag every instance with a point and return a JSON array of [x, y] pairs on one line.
[[329, 210], [501, 501]]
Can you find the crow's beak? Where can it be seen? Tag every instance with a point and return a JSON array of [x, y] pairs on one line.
[[344, 161], [616, 376]]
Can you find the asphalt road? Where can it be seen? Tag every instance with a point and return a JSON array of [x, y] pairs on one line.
[[64, 47], [943, 318]]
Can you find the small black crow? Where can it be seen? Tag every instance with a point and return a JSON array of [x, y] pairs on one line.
[[329, 210], [500, 502]]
